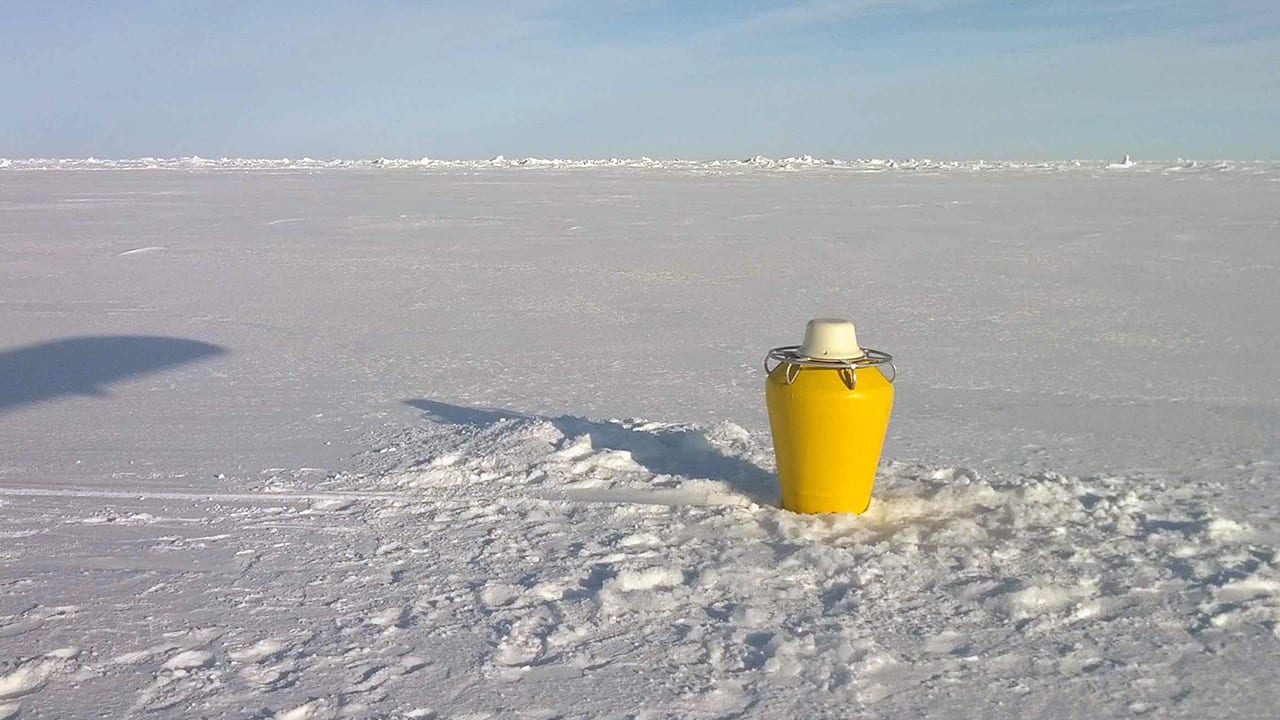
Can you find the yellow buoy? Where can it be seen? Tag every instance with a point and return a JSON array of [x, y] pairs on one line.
[[829, 404]]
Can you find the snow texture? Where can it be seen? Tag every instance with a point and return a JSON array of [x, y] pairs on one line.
[[330, 439]]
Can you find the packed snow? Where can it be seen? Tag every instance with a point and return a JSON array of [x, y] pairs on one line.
[[469, 439]]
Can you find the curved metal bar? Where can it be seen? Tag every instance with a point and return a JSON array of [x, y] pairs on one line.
[[792, 372], [789, 355], [849, 376]]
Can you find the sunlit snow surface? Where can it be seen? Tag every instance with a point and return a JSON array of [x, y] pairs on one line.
[[316, 439]]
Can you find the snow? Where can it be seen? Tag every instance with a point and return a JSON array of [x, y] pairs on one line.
[[189, 660], [430, 438], [23, 680]]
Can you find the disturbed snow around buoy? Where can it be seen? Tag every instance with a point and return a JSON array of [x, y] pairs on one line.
[[515, 557]]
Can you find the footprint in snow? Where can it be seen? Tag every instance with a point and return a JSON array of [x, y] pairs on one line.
[[524, 641]]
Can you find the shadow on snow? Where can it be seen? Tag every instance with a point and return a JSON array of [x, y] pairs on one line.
[[85, 365], [673, 451]]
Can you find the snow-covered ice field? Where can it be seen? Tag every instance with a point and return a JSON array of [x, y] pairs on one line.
[[469, 440]]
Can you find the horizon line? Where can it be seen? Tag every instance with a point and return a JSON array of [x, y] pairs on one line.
[[502, 159]]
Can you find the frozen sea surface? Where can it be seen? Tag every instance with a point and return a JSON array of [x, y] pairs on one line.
[[445, 439]]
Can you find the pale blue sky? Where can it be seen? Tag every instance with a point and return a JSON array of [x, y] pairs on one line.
[[576, 78]]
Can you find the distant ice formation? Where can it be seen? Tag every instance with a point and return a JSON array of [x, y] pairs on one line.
[[757, 163], [1128, 163]]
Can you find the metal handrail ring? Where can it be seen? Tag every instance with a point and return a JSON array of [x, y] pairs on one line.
[[789, 354]]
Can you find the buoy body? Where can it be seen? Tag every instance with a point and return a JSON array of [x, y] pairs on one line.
[[826, 436]]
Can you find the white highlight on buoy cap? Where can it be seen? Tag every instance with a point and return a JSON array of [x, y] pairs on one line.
[[830, 339]]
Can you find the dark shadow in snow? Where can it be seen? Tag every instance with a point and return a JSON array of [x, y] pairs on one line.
[[86, 365], [662, 452]]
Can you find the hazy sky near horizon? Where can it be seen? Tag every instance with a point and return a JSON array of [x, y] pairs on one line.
[[577, 78]]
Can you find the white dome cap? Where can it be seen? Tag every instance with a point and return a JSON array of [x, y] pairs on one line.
[[830, 339]]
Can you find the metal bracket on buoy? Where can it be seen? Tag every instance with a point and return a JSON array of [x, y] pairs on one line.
[[789, 355]]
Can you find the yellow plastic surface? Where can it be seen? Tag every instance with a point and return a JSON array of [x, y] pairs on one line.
[[828, 438]]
